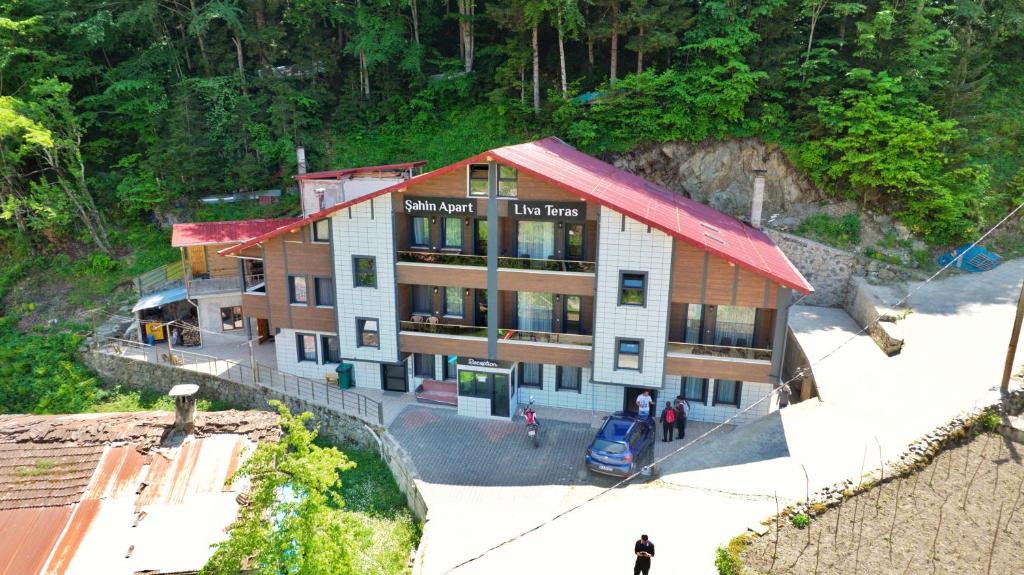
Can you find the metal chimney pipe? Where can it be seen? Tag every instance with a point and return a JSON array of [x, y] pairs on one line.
[[184, 407], [300, 160], [757, 200]]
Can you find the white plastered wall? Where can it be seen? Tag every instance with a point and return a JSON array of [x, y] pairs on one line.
[[208, 310]]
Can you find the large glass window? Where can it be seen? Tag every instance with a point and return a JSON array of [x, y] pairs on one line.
[[421, 232], [536, 240], [452, 232], [305, 343], [450, 366], [534, 311], [231, 318], [480, 248], [531, 375], [323, 291], [365, 271], [574, 241], [297, 290], [322, 230], [571, 322], [478, 180], [569, 378], [632, 288], [727, 392], [627, 354], [693, 324], [508, 186], [367, 333], [453, 302], [423, 365], [423, 300], [695, 389], [332, 353], [734, 326]]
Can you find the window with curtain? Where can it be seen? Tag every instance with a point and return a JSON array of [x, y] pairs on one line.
[[332, 353], [695, 389], [421, 231], [297, 290], [424, 365], [727, 392], [534, 311], [692, 324], [569, 378], [734, 326], [478, 180], [452, 232], [536, 240], [571, 323], [305, 343], [323, 289], [453, 302], [423, 300], [531, 375]]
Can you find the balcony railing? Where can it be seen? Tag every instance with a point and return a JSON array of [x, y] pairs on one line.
[[255, 283], [454, 259], [503, 334], [207, 286], [719, 351]]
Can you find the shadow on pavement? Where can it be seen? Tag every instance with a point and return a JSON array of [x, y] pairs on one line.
[[760, 440]]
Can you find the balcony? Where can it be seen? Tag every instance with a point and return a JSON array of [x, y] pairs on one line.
[[255, 284], [210, 286], [514, 274], [513, 344], [718, 361], [456, 259]]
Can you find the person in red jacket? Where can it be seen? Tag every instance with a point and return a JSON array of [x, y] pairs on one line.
[[668, 422]]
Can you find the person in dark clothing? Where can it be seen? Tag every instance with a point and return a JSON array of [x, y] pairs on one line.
[[643, 550], [682, 413], [668, 421]]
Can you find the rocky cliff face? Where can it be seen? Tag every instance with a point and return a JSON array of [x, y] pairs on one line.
[[720, 174]]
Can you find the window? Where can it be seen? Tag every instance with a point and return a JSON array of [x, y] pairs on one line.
[[627, 354], [535, 240], [692, 328], [632, 288], [365, 271], [305, 343], [323, 289], [534, 311], [571, 321], [452, 232], [727, 392], [568, 378], [231, 318], [695, 389], [423, 300], [481, 237], [423, 365], [322, 231], [507, 182], [574, 241], [734, 326], [297, 290], [331, 350], [478, 180], [450, 366], [367, 333], [421, 232], [531, 375], [453, 302]]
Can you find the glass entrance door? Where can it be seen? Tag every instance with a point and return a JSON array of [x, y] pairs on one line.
[[486, 385], [500, 395]]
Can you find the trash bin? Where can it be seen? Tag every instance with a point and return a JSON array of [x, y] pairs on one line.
[[344, 375]]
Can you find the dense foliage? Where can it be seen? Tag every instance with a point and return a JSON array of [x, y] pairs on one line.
[[113, 111]]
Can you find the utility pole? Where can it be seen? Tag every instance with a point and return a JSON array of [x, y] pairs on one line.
[[1011, 351]]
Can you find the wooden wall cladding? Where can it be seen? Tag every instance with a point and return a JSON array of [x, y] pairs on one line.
[[219, 266], [255, 306], [444, 345], [687, 273], [544, 353], [289, 255], [725, 284], [436, 275], [546, 282], [755, 371]]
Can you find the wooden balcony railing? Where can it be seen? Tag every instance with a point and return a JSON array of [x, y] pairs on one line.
[[719, 351], [503, 334], [454, 259]]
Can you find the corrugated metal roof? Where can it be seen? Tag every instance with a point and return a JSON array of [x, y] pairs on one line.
[[560, 164], [205, 233], [334, 174], [28, 535], [157, 299]]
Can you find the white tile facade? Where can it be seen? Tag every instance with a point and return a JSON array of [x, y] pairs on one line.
[[639, 249], [366, 374], [288, 355], [750, 393], [365, 229], [475, 407]]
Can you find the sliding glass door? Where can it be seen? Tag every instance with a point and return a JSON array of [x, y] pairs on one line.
[[536, 240], [534, 311]]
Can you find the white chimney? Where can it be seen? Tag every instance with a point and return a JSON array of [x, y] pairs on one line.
[[757, 200], [184, 407], [300, 160]]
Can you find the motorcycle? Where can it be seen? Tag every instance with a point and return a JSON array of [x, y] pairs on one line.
[[532, 425]]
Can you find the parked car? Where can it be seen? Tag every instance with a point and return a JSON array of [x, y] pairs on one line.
[[625, 441]]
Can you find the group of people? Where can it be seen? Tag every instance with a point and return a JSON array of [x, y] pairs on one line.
[[673, 416]]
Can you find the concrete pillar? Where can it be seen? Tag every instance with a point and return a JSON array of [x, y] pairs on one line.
[[493, 238], [782, 301]]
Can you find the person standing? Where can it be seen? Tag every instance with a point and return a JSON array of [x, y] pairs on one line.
[[668, 422], [682, 413], [643, 404], [643, 550]]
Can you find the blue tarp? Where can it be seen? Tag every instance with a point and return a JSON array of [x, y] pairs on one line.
[[157, 299], [976, 259]]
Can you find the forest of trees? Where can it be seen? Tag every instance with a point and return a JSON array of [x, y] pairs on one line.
[[113, 111]]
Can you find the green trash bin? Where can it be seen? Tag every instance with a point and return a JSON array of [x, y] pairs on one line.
[[344, 375]]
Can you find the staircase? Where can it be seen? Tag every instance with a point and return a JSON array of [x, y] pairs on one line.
[[438, 392]]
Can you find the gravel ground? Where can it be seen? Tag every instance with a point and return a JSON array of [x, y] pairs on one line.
[[941, 519]]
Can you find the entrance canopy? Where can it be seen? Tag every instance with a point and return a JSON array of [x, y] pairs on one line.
[[160, 298]]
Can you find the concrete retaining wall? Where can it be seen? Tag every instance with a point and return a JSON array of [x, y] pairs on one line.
[[866, 310]]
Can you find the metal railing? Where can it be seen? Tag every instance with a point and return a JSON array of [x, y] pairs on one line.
[[503, 334], [253, 281], [719, 351], [160, 278], [454, 259], [265, 376]]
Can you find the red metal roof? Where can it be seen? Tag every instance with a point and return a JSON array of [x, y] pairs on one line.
[[333, 174], [203, 233], [560, 164]]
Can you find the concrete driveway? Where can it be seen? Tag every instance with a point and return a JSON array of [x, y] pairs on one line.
[[955, 344]]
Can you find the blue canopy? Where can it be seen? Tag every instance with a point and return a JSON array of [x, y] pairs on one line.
[[157, 299]]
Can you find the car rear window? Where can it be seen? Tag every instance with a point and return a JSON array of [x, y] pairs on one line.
[[609, 446]]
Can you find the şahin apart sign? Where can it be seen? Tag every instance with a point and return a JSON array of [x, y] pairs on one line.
[[444, 206]]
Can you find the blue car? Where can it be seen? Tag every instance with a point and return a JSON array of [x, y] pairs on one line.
[[624, 442]]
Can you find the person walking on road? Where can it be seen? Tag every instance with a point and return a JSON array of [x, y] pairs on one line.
[[682, 413], [643, 404], [668, 421], [643, 550]]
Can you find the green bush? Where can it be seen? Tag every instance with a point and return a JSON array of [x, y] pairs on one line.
[[724, 562], [800, 520], [843, 232], [881, 256], [990, 420]]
